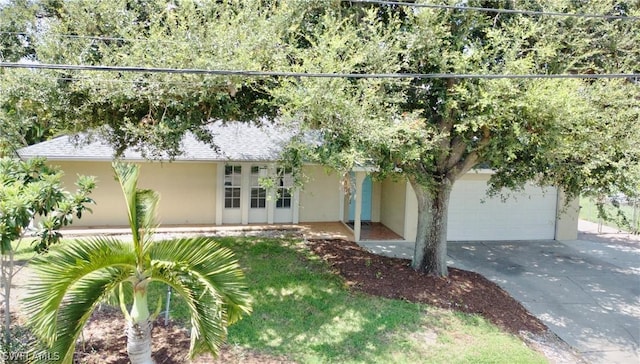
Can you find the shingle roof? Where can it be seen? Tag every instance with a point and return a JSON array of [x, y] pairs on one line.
[[236, 141]]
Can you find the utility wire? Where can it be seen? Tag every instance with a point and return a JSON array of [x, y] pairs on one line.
[[102, 38], [494, 10], [137, 82], [196, 71]]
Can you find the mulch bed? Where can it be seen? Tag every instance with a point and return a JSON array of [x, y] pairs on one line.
[[105, 342], [394, 278]]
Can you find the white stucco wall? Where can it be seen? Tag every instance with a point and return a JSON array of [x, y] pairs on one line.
[[392, 203], [188, 197], [568, 216]]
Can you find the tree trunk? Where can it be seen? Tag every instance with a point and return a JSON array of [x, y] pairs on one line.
[[7, 275], [139, 342], [430, 254], [139, 327]]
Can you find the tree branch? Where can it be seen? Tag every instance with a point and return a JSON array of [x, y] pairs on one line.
[[446, 122], [463, 165], [458, 147]]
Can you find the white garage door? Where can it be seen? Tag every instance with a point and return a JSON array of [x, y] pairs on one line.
[[523, 216]]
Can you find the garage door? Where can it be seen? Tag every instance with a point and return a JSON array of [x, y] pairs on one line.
[[526, 215]]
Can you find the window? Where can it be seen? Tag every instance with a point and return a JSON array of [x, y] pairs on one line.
[[284, 198], [232, 184], [258, 193], [284, 184]]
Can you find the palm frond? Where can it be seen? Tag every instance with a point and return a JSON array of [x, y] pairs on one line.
[[142, 205], [146, 207], [211, 282], [127, 175], [208, 326], [62, 296]]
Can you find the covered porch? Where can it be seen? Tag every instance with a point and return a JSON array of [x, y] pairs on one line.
[[375, 211], [312, 230]]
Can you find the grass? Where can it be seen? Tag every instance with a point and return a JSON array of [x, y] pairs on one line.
[[589, 212], [23, 251], [306, 313]]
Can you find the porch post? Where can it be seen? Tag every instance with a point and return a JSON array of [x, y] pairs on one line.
[[245, 196], [295, 205], [271, 196], [357, 223], [341, 203]]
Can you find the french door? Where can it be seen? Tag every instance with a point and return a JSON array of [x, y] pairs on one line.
[[257, 195], [232, 195]]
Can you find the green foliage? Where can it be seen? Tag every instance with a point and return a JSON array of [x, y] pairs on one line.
[[344, 112], [17, 22], [23, 120], [72, 279], [591, 149], [33, 190], [149, 112], [438, 128], [568, 133]]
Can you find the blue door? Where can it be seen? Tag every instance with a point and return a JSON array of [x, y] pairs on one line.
[[365, 215]]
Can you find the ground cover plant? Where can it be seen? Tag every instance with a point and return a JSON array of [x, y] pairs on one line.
[[307, 313]]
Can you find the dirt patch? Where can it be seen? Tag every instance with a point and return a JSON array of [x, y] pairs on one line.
[[104, 341]]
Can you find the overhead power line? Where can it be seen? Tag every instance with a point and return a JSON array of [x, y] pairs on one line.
[[196, 71], [102, 38], [494, 10]]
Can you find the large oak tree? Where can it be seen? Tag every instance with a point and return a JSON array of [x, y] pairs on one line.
[[577, 134]]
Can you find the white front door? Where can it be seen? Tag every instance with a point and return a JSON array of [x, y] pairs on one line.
[[244, 200]]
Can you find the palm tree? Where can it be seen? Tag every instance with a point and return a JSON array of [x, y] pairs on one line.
[[73, 278]]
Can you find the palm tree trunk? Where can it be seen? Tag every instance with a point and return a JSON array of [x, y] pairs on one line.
[[139, 327], [139, 342]]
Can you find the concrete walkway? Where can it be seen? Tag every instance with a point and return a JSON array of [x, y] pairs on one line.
[[586, 291]]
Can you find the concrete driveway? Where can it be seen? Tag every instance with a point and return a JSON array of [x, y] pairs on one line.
[[586, 291]]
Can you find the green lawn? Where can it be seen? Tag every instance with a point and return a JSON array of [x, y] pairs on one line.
[[23, 250], [305, 312], [589, 212]]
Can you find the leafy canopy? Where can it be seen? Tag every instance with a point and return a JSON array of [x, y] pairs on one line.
[[573, 133], [147, 111]]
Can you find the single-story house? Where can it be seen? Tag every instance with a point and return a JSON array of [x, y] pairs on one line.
[[209, 186]]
